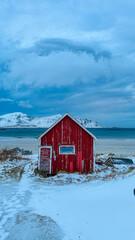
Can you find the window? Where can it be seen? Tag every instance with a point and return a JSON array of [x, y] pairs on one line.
[[66, 149]]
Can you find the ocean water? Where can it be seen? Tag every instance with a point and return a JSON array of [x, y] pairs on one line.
[[101, 133]]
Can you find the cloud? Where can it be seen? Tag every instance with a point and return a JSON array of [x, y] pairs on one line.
[[87, 51], [57, 69], [48, 46], [24, 104], [6, 100], [76, 56]]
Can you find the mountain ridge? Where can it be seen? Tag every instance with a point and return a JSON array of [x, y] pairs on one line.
[[20, 120]]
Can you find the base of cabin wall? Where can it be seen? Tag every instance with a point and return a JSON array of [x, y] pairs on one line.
[[46, 174], [43, 173]]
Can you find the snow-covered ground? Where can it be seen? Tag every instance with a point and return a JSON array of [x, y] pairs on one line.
[[67, 206]]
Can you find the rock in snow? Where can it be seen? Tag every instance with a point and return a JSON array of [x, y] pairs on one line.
[[32, 226], [19, 120]]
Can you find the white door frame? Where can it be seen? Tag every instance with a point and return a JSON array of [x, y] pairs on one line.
[[50, 156]]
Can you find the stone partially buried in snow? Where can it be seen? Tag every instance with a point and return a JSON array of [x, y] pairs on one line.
[[28, 226]]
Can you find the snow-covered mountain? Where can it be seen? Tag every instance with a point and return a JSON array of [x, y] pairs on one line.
[[88, 123], [20, 120]]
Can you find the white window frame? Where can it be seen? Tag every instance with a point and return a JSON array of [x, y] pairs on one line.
[[67, 147]]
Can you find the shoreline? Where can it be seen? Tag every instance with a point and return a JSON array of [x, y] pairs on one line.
[[120, 147]]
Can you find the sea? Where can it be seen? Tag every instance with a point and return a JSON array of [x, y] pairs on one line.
[[101, 133]]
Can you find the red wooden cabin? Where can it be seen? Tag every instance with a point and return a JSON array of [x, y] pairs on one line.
[[66, 146]]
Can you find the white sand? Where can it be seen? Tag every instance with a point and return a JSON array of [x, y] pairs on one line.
[[120, 147], [26, 143]]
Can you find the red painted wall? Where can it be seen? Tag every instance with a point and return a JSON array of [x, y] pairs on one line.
[[68, 132]]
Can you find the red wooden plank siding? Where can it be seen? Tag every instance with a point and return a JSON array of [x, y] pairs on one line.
[[71, 167], [80, 162], [68, 132]]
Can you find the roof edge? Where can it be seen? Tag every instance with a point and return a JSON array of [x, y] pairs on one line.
[[67, 114]]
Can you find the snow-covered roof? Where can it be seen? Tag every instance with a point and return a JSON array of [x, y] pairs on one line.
[[66, 114]]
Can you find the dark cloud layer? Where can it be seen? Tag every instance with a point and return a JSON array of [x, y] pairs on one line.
[[48, 46]]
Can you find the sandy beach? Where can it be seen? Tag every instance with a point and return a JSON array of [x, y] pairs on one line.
[[121, 147]]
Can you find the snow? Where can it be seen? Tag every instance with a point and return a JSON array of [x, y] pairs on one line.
[[84, 209], [133, 159], [19, 119], [103, 211]]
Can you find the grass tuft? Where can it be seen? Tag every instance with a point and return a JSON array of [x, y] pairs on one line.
[[14, 153]]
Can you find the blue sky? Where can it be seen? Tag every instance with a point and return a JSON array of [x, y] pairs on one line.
[[69, 55]]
